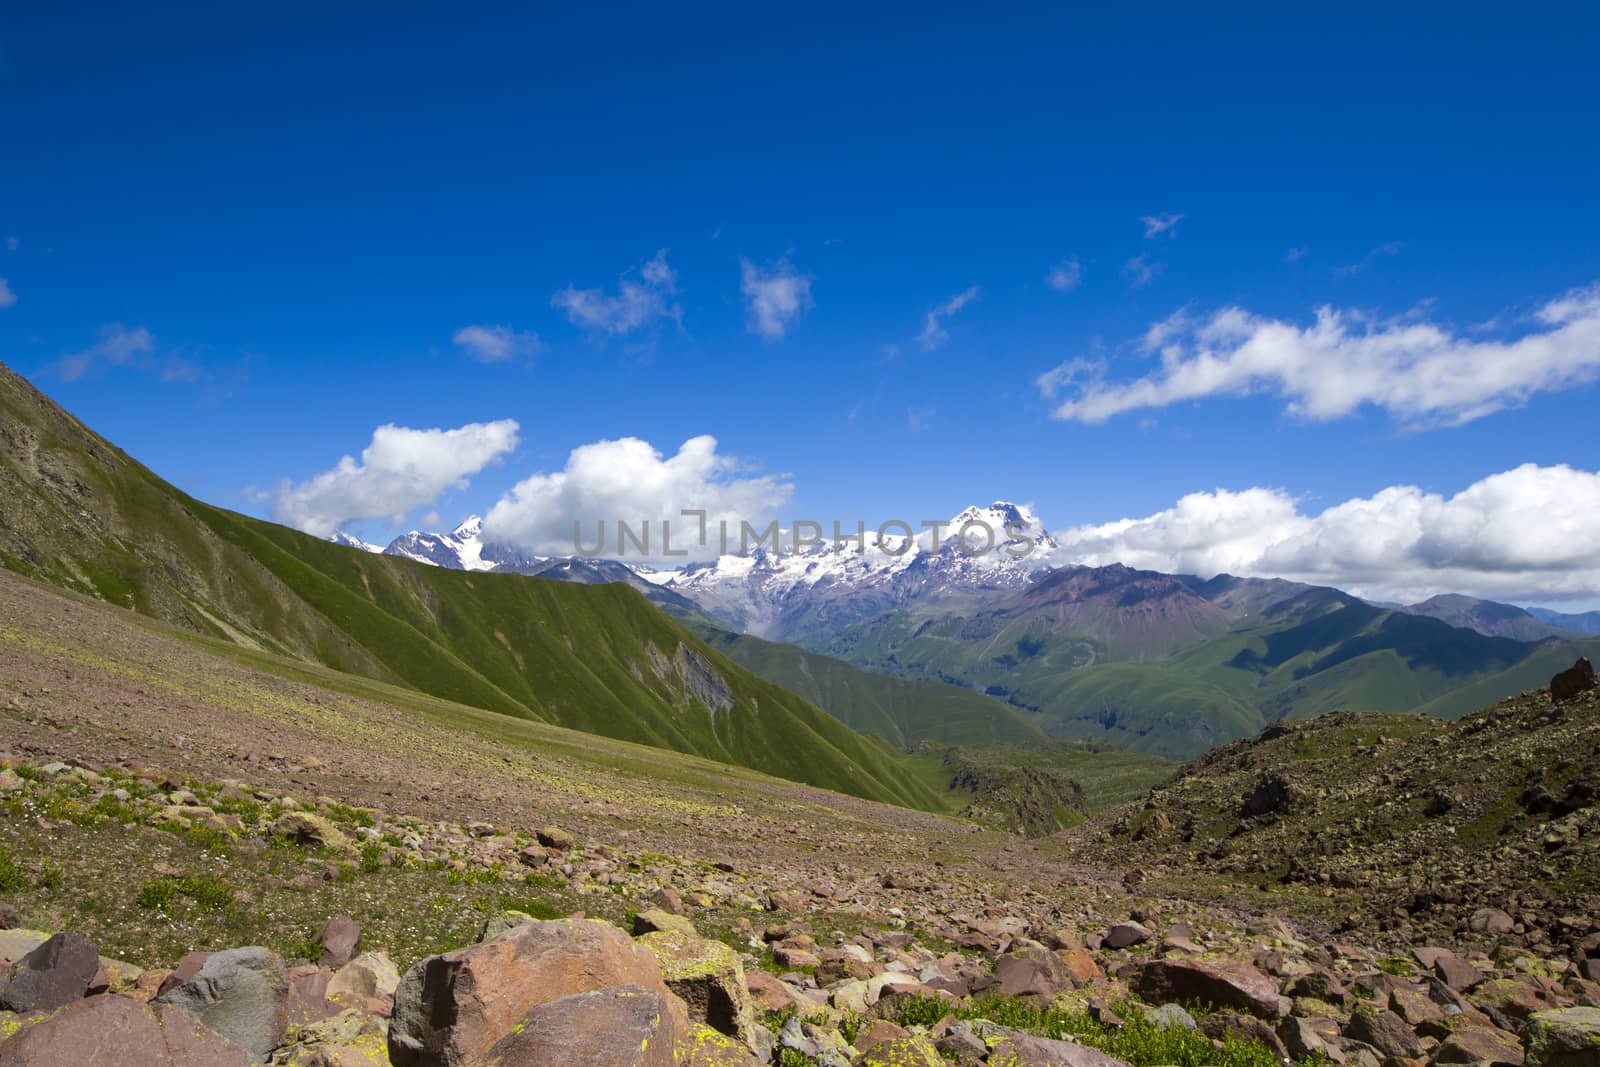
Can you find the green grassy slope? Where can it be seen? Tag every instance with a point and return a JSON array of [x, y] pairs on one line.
[[79, 513], [898, 710]]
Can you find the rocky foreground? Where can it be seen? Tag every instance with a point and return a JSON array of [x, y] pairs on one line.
[[672, 979]]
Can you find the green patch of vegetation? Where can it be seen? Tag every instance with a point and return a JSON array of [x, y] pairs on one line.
[[157, 896], [13, 875], [1138, 1042]]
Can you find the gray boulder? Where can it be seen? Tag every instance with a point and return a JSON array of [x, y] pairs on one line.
[[242, 994]]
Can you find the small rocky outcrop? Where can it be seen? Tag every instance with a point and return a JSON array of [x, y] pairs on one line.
[[1576, 679]]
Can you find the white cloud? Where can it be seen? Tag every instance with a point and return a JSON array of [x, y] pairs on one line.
[[1391, 248], [636, 303], [773, 297], [1065, 276], [1141, 271], [1528, 534], [496, 344], [1156, 225], [933, 332], [628, 480], [7, 297], [1417, 371], [401, 470], [118, 347]]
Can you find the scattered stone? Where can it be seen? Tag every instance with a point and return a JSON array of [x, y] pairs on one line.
[[1223, 1025], [1124, 935], [651, 920], [1491, 921], [556, 838], [1171, 1017], [1021, 1050], [1032, 972], [908, 1051], [1565, 1037], [1223, 985], [340, 938], [1479, 1044], [1457, 973], [304, 828], [1386, 1032]]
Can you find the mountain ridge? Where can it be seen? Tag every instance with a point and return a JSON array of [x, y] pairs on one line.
[[77, 512]]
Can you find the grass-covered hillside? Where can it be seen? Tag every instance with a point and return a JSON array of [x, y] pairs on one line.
[[1172, 667], [899, 710], [77, 512]]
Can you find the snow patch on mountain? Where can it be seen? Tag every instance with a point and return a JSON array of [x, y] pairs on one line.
[[1002, 546]]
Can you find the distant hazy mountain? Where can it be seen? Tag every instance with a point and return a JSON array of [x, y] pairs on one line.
[[1490, 618], [1588, 622]]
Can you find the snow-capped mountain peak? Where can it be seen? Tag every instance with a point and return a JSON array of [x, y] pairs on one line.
[[462, 549], [339, 537], [1000, 546]]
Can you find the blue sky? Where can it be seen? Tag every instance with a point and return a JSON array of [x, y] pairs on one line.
[[302, 210]]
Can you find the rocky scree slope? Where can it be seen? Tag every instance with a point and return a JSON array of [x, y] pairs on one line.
[[901, 975], [1432, 824]]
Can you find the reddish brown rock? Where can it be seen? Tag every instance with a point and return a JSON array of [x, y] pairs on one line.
[[340, 939], [1479, 1044], [769, 993], [1223, 1025], [119, 1032], [1035, 972], [1386, 1032], [1221, 985], [453, 1007], [1024, 1051], [624, 1026], [1080, 964]]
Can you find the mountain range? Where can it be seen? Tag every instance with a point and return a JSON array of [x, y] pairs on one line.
[[821, 665], [1165, 664]]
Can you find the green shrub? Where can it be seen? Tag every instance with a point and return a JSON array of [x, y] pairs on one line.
[[207, 891], [51, 877], [371, 858], [13, 875]]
